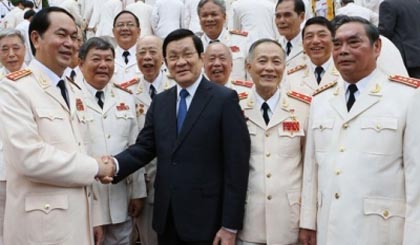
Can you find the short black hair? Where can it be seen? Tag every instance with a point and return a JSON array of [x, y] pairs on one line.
[[126, 12], [371, 30], [299, 5], [28, 14], [181, 34], [95, 43], [28, 4], [319, 20], [41, 22]]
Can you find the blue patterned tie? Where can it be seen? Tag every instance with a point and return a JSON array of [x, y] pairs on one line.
[[182, 109]]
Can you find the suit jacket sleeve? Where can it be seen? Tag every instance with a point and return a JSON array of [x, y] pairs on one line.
[[140, 153], [411, 157], [387, 19], [236, 147], [29, 154]]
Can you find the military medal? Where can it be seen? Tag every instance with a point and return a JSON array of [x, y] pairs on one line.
[[79, 105], [122, 107], [293, 125]]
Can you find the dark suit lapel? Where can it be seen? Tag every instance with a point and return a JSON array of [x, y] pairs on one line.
[[170, 110], [200, 100]]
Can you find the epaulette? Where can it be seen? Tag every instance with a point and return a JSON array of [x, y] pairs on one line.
[[242, 83], [234, 49], [295, 69], [129, 83], [301, 97], [243, 95], [412, 82], [72, 82], [18, 74], [323, 88], [238, 32], [122, 88]]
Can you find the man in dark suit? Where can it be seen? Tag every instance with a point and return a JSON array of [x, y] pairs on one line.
[[198, 134], [398, 21]]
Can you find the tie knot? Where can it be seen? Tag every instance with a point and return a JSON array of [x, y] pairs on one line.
[[61, 84], [319, 70], [265, 106], [72, 74], [288, 47], [152, 91], [99, 94], [214, 41], [184, 93], [352, 88], [126, 54]]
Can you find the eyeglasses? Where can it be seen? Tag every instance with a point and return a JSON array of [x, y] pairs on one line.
[[128, 25]]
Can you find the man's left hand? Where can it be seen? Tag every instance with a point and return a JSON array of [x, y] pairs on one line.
[[224, 237], [135, 207]]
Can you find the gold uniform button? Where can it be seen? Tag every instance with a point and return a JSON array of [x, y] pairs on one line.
[[105, 116], [321, 127], [337, 196], [267, 134], [345, 126], [338, 172], [109, 136], [47, 206], [341, 149], [269, 197], [378, 126], [386, 213], [268, 175], [79, 144], [267, 154]]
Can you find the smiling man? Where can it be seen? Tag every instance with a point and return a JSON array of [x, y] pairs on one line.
[[277, 126], [318, 68], [198, 134], [126, 31], [12, 51], [42, 117]]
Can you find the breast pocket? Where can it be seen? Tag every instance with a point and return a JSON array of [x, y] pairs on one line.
[[322, 133], [290, 142], [51, 123], [50, 211], [124, 118], [380, 135]]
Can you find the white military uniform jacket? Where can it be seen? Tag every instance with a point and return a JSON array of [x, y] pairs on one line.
[[296, 55], [12, 18], [238, 44], [142, 99], [47, 167], [361, 167], [107, 14], [111, 130], [191, 19], [302, 78], [390, 60], [167, 16], [353, 9], [125, 72], [275, 176], [73, 7], [143, 12]]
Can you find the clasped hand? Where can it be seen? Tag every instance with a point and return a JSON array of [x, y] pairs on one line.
[[107, 169]]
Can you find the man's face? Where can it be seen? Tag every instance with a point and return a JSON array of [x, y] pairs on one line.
[[267, 66], [149, 57], [79, 43], [354, 55], [317, 43], [12, 53], [57, 45], [218, 63], [183, 61], [126, 31], [98, 67], [212, 19], [287, 20]]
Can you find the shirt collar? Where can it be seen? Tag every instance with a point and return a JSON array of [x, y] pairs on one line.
[[220, 37], [362, 83], [157, 82], [45, 70], [93, 90], [272, 101], [325, 66], [192, 88]]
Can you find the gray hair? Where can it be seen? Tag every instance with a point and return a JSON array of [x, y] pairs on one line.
[[95, 43], [12, 33], [220, 44], [220, 3], [258, 43]]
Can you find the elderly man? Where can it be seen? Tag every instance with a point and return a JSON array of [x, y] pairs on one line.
[[12, 54], [47, 169], [126, 32], [113, 126], [198, 134], [318, 68], [277, 126], [212, 14], [218, 65], [362, 158], [289, 16]]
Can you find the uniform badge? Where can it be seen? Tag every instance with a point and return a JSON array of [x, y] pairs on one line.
[[238, 32], [323, 88], [295, 69], [412, 82], [247, 84], [79, 105], [122, 107], [139, 109], [19, 74], [234, 49], [301, 97], [243, 95], [129, 83], [291, 126]]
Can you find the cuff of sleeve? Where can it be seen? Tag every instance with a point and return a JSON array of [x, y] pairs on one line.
[[230, 230], [117, 166]]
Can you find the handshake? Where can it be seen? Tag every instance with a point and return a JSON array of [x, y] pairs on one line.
[[107, 169]]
